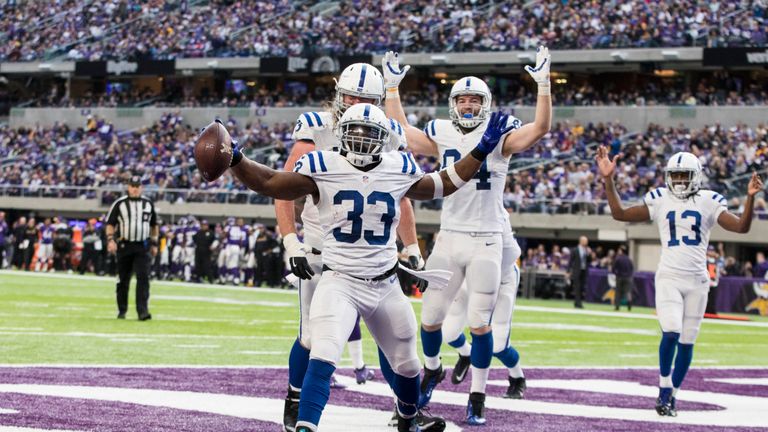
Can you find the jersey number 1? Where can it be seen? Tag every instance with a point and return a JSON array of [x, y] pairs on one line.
[[696, 228]]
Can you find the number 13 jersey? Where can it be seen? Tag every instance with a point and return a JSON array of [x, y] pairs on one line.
[[684, 228], [478, 206], [360, 210]]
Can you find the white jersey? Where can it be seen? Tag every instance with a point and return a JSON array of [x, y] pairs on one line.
[[478, 206], [684, 228], [318, 127], [359, 210]]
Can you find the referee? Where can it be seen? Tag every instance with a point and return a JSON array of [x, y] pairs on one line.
[[132, 233]]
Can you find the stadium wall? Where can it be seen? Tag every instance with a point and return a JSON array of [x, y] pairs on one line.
[[634, 118]]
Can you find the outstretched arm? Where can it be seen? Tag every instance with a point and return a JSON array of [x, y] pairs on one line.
[[418, 141], [266, 181], [528, 135], [741, 224], [606, 166]]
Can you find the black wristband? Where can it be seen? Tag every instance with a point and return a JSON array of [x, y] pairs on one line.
[[478, 154], [237, 156]]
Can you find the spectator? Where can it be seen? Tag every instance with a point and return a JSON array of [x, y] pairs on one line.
[[577, 270], [624, 269], [761, 266]]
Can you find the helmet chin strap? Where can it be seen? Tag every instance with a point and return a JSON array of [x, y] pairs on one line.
[[360, 161]]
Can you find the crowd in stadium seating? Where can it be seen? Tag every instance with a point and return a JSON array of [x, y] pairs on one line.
[[117, 29], [555, 176]]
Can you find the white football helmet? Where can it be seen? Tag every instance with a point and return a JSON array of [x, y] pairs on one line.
[[361, 80], [363, 132], [683, 162], [470, 85]]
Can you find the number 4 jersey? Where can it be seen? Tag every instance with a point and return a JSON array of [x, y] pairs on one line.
[[478, 206], [359, 210], [684, 227]]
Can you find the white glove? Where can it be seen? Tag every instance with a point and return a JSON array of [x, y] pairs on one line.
[[393, 74], [540, 72], [414, 256], [293, 246]]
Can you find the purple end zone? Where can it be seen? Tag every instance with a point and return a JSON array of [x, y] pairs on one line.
[[77, 414]]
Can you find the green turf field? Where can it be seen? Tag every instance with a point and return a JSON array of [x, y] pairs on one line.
[[61, 319]]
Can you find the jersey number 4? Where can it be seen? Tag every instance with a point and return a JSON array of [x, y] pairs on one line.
[[482, 176], [695, 227], [356, 217]]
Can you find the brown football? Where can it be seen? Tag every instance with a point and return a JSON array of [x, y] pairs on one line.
[[213, 151]]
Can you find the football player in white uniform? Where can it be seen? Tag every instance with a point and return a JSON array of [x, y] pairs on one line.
[[358, 190], [456, 321], [358, 83], [473, 221], [685, 215]]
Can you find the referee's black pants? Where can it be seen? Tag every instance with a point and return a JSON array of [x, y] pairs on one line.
[[133, 257]]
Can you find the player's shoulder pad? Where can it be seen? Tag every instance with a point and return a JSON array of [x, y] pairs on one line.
[[435, 127], [397, 135], [655, 194], [403, 162], [713, 196], [315, 162], [310, 122]]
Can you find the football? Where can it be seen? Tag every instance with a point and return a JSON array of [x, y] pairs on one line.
[[213, 151]]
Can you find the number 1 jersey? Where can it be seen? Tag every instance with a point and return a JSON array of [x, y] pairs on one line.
[[359, 210], [684, 228]]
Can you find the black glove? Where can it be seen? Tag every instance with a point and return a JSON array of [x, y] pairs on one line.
[[301, 268], [414, 262]]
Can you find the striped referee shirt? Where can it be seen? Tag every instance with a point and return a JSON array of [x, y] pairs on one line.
[[133, 219]]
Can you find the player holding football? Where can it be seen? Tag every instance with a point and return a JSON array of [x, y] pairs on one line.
[[314, 131], [685, 215], [358, 190], [472, 238]]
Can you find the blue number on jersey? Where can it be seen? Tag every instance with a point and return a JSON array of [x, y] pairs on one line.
[[356, 217], [696, 228], [482, 176]]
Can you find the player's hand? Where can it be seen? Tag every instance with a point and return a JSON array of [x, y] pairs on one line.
[[540, 72], [755, 184], [393, 73], [497, 128], [605, 164], [297, 257]]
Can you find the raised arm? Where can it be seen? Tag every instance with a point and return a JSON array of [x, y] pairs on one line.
[[449, 180], [528, 135], [266, 181], [741, 224], [606, 166], [418, 141]]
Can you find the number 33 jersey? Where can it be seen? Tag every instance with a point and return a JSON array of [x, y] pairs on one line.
[[360, 210], [684, 228], [478, 206]]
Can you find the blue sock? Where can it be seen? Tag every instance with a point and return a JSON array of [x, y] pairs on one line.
[[667, 352], [482, 350], [386, 369], [297, 364], [509, 356], [431, 341], [458, 342], [682, 363], [407, 392], [315, 391]]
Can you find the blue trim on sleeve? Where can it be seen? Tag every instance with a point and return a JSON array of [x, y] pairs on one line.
[[405, 162], [413, 164], [322, 162], [652, 195], [317, 117], [309, 120], [658, 192], [432, 124], [311, 158]]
